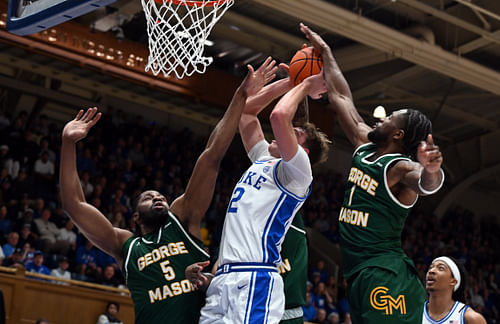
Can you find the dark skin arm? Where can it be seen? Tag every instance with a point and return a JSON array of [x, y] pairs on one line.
[[91, 222], [404, 176], [339, 93], [191, 206]]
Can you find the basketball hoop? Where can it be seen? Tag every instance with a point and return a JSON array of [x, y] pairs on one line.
[[178, 32]]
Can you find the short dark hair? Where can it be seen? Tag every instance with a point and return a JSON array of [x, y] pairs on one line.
[[113, 303], [317, 143], [416, 127]]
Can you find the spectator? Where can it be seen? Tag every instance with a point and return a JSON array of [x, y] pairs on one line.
[[44, 174], [14, 260], [6, 161], [36, 265], [68, 235], [49, 234], [62, 270], [108, 277], [309, 309], [11, 244], [86, 268], [27, 236], [333, 318], [109, 317], [320, 268], [5, 222], [321, 318]]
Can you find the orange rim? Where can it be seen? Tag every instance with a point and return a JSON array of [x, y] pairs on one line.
[[194, 3]]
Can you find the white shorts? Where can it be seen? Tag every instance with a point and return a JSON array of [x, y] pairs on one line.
[[246, 297]]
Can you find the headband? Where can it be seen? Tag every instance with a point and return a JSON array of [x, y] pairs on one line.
[[453, 267]]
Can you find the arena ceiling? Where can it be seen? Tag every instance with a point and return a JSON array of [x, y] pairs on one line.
[[440, 56]]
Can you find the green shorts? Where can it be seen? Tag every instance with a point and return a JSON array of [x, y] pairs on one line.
[[378, 295]]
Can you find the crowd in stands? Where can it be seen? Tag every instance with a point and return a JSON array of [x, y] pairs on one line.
[[124, 156]]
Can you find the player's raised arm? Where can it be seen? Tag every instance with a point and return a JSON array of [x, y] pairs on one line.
[[192, 205], [91, 222], [250, 128], [339, 93], [282, 116]]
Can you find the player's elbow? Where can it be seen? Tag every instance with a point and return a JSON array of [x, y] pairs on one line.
[[279, 115]]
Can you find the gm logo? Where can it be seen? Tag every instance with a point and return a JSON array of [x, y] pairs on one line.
[[382, 301]]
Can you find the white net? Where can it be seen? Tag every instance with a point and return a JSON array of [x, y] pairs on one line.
[[178, 31]]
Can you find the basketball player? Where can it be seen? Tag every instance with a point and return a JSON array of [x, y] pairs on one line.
[[445, 283], [383, 184], [294, 252], [247, 287], [154, 263], [293, 270]]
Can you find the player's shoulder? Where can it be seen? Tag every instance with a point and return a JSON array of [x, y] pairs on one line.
[[473, 317]]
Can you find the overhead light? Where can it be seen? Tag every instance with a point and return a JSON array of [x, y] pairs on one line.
[[379, 112]]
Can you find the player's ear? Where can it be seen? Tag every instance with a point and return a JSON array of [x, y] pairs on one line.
[[136, 218], [399, 134]]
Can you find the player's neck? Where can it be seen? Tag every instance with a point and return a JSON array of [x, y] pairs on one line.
[[386, 148], [440, 304]]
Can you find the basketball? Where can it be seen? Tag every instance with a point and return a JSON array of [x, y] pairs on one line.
[[304, 63]]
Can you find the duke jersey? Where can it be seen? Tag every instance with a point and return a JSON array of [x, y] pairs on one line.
[[371, 218], [154, 269], [259, 214], [455, 316]]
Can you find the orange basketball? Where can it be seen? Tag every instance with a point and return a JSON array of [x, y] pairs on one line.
[[304, 63]]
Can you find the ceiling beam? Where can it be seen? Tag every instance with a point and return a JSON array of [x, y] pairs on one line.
[[386, 39], [283, 44], [475, 44], [106, 89], [451, 19]]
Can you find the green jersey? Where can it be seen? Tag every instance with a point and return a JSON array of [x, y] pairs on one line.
[[371, 218], [293, 268], [154, 268]]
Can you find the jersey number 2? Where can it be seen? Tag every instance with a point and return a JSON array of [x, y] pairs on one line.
[[238, 193]]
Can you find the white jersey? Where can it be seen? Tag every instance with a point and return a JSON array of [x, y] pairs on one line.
[[455, 316], [261, 208]]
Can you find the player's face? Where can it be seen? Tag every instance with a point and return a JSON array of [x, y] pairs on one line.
[[439, 277], [301, 139], [152, 208], [386, 126]]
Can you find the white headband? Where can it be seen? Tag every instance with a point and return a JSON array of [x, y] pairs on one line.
[[453, 267]]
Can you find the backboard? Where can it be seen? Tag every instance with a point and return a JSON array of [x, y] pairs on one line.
[[26, 17]]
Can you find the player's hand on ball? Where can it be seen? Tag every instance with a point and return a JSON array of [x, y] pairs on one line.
[[78, 128], [317, 85]]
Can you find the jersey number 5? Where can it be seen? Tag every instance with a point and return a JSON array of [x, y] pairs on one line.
[[168, 271], [238, 193]]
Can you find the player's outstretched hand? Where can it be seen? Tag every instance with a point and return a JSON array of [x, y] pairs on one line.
[[78, 128], [316, 41], [429, 155], [257, 79], [198, 278]]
